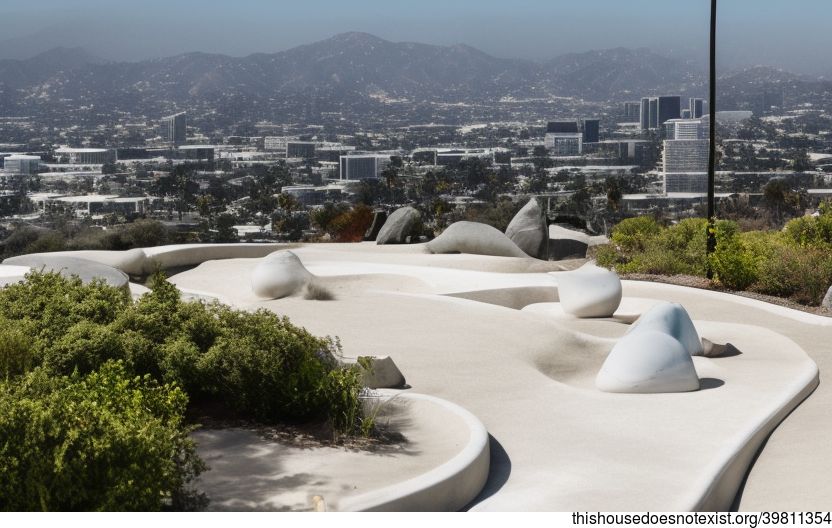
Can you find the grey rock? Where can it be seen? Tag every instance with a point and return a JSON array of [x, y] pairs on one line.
[[474, 238], [528, 230], [86, 270], [567, 243], [379, 219], [398, 227], [827, 300]]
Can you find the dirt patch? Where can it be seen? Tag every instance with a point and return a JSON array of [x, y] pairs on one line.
[[704, 284], [216, 416]]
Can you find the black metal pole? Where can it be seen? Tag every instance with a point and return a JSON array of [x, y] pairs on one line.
[[712, 142]]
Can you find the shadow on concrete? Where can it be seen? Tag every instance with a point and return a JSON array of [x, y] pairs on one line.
[[710, 383], [498, 473]]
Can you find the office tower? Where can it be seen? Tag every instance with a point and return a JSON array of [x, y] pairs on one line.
[[562, 127], [591, 130], [632, 112], [654, 112], [645, 113], [669, 107], [686, 155], [696, 107], [173, 128]]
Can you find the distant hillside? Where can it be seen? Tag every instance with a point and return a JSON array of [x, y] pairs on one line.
[[348, 69]]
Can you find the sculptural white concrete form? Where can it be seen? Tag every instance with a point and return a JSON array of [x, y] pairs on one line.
[[475, 238], [671, 319], [279, 275], [528, 230], [648, 362], [589, 291], [655, 354]]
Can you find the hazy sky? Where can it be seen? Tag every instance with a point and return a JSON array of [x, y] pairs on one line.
[[790, 34]]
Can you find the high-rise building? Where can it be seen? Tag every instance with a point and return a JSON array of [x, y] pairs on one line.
[[632, 111], [173, 128], [669, 107], [687, 129], [591, 130], [686, 155], [654, 112], [696, 106], [562, 127], [645, 113]]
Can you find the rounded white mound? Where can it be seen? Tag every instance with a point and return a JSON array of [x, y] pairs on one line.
[[672, 319], [474, 238], [279, 275], [648, 362], [589, 291]]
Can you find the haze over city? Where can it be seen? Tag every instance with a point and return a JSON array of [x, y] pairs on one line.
[[789, 35]]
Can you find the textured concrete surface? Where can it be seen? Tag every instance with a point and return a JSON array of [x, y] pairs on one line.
[[526, 370]]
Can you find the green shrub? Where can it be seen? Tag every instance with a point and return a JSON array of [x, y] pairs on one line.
[[106, 441], [732, 263], [802, 274], [84, 347], [634, 234], [640, 245], [267, 368], [16, 357], [811, 231]]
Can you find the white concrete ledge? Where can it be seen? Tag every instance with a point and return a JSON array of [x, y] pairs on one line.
[[448, 487]]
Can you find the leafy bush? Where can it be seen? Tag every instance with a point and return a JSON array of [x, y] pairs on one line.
[[79, 431], [795, 263], [732, 263], [640, 245], [105, 441], [265, 367], [815, 232], [802, 274]]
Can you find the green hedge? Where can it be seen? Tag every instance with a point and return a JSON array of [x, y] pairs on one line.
[[795, 263], [63, 345], [104, 441]]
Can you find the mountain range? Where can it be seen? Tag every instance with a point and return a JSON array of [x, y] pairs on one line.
[[355, 65]]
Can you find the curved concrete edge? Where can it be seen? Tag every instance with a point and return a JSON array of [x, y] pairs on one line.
[[515, 298], [718, 488], [797, 315], [140, 261], [448, 487], [190, 254]]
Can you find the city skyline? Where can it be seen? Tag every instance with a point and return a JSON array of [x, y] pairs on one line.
[[785, 35]]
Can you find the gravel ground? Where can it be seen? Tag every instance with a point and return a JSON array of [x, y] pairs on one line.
[[705, 284]]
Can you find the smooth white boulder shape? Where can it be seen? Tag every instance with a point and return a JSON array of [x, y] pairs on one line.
[[589, 291], [648, 362], [672, 319], [279, 275], [528, 230], [476, 239]]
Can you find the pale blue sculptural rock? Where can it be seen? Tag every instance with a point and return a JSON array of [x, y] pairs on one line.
[[646, 362], [673, 320]]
